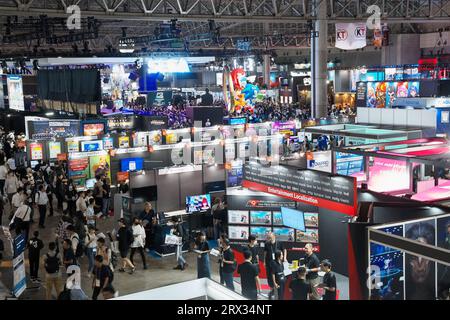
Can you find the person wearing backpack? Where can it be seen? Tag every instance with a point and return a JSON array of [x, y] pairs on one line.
[[77, 245], [52, 261], [228, 264], [35, 245], [124, 237], [69, 258], [103, 277]]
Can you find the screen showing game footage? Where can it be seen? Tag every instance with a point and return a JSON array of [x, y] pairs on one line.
[[277, 219], [260, 232], [311, 219], [238, 233], [201, 203], [88, 146], [237, 217], [308, 236], [284, 234], [261, 217]]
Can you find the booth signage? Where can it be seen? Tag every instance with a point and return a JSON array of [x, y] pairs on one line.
[[158, 123], [49, 129], [333, 192]]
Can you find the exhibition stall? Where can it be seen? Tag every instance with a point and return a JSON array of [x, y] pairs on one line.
[[415, 167], [410, 260]]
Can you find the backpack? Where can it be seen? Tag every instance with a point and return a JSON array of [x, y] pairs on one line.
[[110, 274], [114, 259], [80, 250], [52, 264], [65, 294]]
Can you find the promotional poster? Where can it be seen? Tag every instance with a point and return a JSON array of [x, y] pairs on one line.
[[420, 282], [54, 149], [100, 165], [381, 88], [371, 95], [49, 129], [73, 146], [15, 92], [387, 268], [79, 170], [37, 151]]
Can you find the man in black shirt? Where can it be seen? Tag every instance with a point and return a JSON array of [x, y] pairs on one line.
[[228, 264], [102, 277], [270, 246], [252, 241], [299, 288], [329, 281], [278, 278], [312, 265], [207, 99], [35, 246], [249, 277], [125, 238], [69, 256]]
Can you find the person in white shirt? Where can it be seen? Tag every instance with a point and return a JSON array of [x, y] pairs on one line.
[[41, 200], [16, 201], [11, 185], [74, 237], [81, 204], [11, 164], [3, 173], [91, 248], [21, 219], [90, 213], [138, 242]]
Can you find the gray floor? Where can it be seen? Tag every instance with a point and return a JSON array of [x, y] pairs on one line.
[[160, 272]]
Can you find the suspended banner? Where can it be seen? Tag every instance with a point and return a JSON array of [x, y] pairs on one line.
[[351, 36]]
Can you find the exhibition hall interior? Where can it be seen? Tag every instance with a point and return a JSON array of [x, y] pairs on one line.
[[224, 150]]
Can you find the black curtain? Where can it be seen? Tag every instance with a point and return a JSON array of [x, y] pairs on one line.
[[77, 85]]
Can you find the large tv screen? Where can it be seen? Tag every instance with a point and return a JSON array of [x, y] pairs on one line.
[[200, 203], [293, 219], [87, 146], [132, 164], [146, 193]]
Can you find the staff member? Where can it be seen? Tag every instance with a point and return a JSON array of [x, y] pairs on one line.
[[329, 281], [312, 265], [228, 264], [202, 248], [270, 247], [277, 274], [249, 277], [252, 242]]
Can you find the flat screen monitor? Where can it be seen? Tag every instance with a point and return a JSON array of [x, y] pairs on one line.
[[293, 218], [238, 233], [132, 164], [260, 232], [90, 183], [284, 234], [237, 217], [93, 129], [261, 217], [87, 146], [146, 193], [201, 203]]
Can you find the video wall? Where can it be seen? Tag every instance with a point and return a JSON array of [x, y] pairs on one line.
[[261, 223], [397, 275]]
